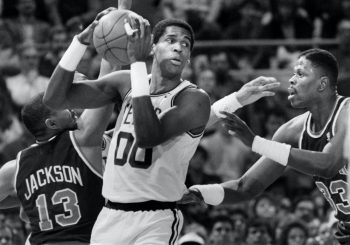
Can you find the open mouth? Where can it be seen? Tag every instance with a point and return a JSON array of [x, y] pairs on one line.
[[176, 61]]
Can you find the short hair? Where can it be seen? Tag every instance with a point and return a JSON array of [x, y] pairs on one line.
[[220, 219], [160, 27], [324, 59], [34, 115], [289, 226]]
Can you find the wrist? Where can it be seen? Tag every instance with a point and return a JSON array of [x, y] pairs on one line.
[[139, 79], [73, 55], [228, 104], [82, 41], [213, 194], [276, 151]]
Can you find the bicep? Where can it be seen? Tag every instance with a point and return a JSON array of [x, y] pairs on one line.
[[186, 115]]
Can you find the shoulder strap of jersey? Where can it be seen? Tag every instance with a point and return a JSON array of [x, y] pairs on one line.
[[340, 103], [305, 123]]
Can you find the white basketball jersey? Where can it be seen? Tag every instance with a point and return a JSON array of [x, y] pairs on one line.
[[136, 174]]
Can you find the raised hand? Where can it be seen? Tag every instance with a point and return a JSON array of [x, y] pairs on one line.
[[237, 126], [139, 38], [256, 89], [85, 36]]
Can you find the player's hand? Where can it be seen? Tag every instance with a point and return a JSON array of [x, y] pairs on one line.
[[192, 196], [139, 38], [238, 127], [256, 89], [85, 37]]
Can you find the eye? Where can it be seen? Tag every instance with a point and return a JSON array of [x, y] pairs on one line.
[[185, 44], [170, 40]]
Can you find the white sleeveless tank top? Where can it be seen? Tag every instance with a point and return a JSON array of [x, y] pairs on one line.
[[136, 174]]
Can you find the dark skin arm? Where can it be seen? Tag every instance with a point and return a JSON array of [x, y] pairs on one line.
[[324, 164], [62, 93], [152, 131]]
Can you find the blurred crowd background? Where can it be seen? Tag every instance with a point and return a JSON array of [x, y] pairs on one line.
[[237, 40]]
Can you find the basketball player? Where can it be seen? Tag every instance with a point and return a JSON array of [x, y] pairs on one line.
[[161, 122], [311, 143], [58, 180]]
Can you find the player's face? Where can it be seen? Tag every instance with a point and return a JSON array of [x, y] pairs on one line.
[[303, 84], [66, 119], [172, 52]]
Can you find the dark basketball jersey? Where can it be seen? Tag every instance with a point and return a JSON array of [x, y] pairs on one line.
[[59, 190], [335, 188]]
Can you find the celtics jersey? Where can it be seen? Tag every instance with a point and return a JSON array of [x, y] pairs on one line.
[[135, 174], [334, 189], [59, 190]]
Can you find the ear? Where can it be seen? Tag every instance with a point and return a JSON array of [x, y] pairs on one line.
[[324, 81], [51, 124], [153, 49]]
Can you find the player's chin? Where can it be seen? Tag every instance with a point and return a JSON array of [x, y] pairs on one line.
[[73, 126]]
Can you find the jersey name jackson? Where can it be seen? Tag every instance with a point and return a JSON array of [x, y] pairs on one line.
[[52, 174]]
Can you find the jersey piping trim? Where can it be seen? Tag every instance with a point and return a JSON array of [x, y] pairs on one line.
[[82, 156], [337, 114], [302, 131], [17, 169], [174, 89], [317, 135], [192, 135]]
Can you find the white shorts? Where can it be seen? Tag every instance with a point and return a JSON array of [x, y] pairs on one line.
[[117, 227]]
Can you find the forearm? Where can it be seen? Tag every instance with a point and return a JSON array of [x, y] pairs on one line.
[[237, 191], [146, 122], [315, 163], [306, 161], [58, 92]]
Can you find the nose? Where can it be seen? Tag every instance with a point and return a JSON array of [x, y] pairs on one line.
[[177, 47], [292, 80]]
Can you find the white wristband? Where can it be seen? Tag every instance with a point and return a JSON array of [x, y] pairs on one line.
[[73, 55], [212, 194], [279, 152], [229, 104], [139, 80]]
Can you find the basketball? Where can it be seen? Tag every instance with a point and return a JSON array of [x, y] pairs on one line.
[[110, 39]]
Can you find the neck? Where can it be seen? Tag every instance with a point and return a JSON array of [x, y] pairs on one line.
[[162, 84], [26, 18], [322, 110], [46, 136]]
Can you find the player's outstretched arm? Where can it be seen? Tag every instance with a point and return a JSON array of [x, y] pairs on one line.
[[324, 164], [91, 126], [248, 94], [261, 175], [62, 93], [7, 181]]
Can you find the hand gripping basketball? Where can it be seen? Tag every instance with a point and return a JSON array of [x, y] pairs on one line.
[[139, 39], [85, 37]]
